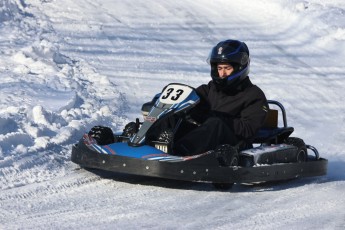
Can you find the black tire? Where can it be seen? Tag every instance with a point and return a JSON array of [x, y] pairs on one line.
[[227, 156], [302, 153], [103, 135]]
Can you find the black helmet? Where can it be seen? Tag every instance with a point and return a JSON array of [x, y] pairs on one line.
[[235, 53]]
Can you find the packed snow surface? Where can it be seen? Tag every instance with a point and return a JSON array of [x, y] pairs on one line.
[[66, 66]]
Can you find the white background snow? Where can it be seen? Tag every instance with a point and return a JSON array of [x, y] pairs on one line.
[[66, 66]]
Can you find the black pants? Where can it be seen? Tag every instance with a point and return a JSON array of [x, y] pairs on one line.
[[212, 133]]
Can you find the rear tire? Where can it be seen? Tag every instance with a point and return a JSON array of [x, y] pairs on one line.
[[227, 156], [302, 154]]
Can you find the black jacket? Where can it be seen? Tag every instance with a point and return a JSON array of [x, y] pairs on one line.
[[243, 109]]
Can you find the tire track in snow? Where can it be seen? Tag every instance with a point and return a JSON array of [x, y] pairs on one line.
[[46, 188], [21, 204]]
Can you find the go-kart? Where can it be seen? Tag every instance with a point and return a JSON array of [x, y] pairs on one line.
[[275, 156]]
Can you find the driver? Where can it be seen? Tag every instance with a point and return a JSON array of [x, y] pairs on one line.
[[232, 109], [230, 112]]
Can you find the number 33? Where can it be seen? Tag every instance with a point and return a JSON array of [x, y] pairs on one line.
[[174, 96]]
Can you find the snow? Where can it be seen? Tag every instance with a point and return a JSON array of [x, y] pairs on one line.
[[66, 66]]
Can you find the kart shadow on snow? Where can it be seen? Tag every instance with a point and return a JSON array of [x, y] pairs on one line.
[[336, 172]]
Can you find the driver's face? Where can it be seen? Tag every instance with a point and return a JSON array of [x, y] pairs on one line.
[[224, 69]]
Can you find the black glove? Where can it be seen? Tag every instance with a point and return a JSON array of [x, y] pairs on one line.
[[103, 135]]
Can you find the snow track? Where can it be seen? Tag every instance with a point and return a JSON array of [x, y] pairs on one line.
[[66, 66]]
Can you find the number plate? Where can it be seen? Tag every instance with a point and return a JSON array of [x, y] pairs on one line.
[[175, 94]]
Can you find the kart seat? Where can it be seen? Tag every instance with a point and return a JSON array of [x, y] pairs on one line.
[[271, 133]]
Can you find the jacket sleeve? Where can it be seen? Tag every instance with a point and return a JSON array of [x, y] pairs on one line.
[[202, 111], [252, 117]]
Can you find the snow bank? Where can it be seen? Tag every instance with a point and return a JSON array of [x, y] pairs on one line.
[[49, 92], [10, 10], [48, 100]]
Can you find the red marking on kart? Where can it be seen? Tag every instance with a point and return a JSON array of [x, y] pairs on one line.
[[109, 149], [186, 158], [156, 155], [150, 119], [89, 140]]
